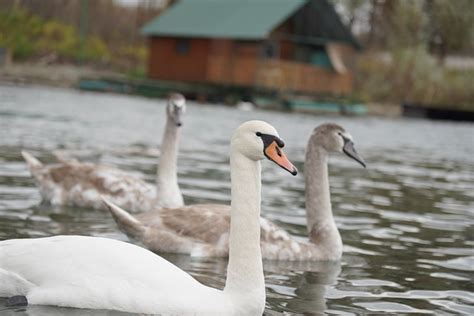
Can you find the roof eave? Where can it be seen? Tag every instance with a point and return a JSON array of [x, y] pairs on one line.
[[213, 36]]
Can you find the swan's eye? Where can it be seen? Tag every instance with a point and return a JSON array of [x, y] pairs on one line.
[[258, 134]]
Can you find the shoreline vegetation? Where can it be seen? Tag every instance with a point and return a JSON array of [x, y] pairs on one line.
[[67, 76], [397, 66]]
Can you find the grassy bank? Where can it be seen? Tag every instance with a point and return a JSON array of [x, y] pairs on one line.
[[413, 75]]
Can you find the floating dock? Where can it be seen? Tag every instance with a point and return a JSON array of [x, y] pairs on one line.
[[227, 95]]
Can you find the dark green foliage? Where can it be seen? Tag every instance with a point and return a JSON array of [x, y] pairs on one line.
[[27, 35], [18, 31]]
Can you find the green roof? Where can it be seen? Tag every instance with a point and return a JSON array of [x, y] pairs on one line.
[[238, 19]]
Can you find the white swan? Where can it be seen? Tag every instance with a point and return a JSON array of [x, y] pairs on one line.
[[99, 273], [203, 229], [70, 182]]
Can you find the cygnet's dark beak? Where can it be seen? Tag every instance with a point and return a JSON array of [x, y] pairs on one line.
[[178, 116], [350, 151]]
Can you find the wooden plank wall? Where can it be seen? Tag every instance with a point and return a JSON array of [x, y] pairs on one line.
[[232, 62], [165, 63], [226, 62]]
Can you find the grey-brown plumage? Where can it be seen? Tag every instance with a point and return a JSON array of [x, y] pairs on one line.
[[203, 229], [70, 182]]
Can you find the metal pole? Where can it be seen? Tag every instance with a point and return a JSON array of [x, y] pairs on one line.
[[83, 30]]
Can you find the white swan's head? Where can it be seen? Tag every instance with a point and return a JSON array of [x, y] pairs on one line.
[[258, 140], [176, 108], [334, 138]]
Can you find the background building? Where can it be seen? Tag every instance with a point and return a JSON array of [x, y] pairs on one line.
[[283, 45]]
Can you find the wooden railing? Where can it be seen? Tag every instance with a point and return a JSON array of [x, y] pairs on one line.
[[285, 76]]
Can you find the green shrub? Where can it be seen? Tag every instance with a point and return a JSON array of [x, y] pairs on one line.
[[28, 35], [59, 38], [96, 50], [18, 31]]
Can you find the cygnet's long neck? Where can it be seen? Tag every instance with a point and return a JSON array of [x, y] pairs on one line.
[[245, 271], [168, 193], [321, 226]]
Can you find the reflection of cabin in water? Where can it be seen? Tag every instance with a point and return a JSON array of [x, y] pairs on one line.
[[284, 45]]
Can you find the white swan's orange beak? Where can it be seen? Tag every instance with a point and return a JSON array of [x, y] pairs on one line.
[[276, 154]]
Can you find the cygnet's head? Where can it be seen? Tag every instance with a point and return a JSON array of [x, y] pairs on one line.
[[258, 140], [176, 108], [333, 138]]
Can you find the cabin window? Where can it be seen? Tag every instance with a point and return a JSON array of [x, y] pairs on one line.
[[270, 50], [182, 46], [314, 55], [320, 57]]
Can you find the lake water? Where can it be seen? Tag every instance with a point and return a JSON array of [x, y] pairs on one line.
[[407, 221]]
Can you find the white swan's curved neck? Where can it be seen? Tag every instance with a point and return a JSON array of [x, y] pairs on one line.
[[318, 198], [245, 270], [168, 193]]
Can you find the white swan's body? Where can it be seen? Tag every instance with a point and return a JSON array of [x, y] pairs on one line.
[[98, 273], [203, 229], [88, 272], [70, 182]]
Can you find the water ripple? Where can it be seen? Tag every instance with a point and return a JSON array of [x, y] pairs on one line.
[[406, 220]]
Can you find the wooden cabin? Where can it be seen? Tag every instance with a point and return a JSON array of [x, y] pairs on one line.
[[298, 46]]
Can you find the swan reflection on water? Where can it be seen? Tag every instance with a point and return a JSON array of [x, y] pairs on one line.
[[311, 281]]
